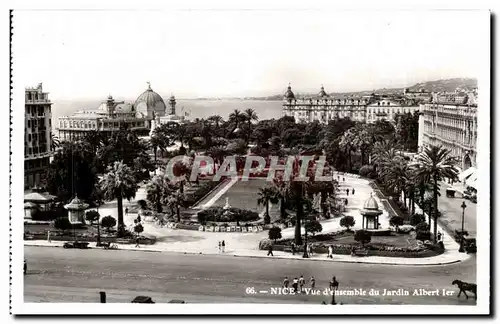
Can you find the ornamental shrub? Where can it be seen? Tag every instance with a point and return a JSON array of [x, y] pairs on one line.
[[363, 236], [423, 235], [274, 233], [347, 222]]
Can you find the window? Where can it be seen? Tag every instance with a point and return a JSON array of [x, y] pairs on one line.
[[29, 137]]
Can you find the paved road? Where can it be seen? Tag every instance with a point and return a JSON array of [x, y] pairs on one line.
[[452, 212], [60, 275]]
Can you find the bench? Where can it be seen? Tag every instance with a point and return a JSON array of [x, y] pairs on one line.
[[361, 252]]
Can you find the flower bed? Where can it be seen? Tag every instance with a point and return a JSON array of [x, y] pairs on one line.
[[62, 236], [219, 214], [320, 244]]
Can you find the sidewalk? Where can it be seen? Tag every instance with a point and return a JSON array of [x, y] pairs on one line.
[[450, 256], [245, 245]]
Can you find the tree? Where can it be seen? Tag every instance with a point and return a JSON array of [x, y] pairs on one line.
[[175, 199], [72, 172], [347, 222], [435, 164], [54, 142], [274, 233], [265, 196], [423, 235], [92, 216], [417, 219], [142, 204], [396, 221], [235, 118], [155, 191], [423, 226], [363, 236], [250, 116], [119, 183], [138, 229], [62, 223], [108, 222], [313, 227]]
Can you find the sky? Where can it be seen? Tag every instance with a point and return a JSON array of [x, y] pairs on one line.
[[91, 54]]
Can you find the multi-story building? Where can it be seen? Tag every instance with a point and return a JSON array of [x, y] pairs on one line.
[[37, 136], [324, 108], [450, 120], [111, 115], [387, 108]]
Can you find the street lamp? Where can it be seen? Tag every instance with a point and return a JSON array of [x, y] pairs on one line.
[[461, 249], [305, 255]]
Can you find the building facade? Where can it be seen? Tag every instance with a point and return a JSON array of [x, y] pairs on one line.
[[450, 120], [37, 136], [324, 108], [111, 115]]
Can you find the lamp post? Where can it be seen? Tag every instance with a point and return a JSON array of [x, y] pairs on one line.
[[461, 249], [305, 255]]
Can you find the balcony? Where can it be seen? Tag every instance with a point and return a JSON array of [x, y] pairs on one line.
[[37, 101]]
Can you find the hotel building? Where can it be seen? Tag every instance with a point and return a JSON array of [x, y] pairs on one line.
[[37, 136], [324, 108], [450, 120], [148, 110]]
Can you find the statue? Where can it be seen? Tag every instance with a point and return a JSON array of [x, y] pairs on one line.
[[227, 206]]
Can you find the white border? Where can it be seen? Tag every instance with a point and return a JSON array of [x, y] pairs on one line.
[[483, 275]]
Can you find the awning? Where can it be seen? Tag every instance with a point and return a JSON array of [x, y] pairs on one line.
[[467, 173]]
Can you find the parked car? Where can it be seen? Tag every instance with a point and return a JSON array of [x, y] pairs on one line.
[[470, 245], [76, 245], [143, 300]]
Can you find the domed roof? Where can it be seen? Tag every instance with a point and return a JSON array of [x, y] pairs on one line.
[[76, 204], [149, 102], [371, 203], [322, 92], [289, 94]]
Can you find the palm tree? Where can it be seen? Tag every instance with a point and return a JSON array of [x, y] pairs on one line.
[[235, 118], [175, 200], [155, 191], [54, 142], [265, 196], [250, 116], [117, 184], [435, 164], [155, 143]]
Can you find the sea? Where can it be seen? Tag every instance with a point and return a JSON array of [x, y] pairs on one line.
[[191, 108]]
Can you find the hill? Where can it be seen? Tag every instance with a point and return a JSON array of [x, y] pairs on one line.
[[444, 85]]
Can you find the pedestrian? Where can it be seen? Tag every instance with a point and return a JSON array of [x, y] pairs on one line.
[[293, 248], [439, 236], [137, 243], [270, 250], [223, 246], [347, 191], [48, 236], [220, 246], [302, 282], [295, 285], [126, 211], [346, 201], [343, 179], [313, 282], [25, 267], [353, 191], [334, 284], [311, 252], [330, 251], [286, 282]]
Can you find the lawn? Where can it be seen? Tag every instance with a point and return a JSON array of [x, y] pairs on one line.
[[244, 195], [396, 240]]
